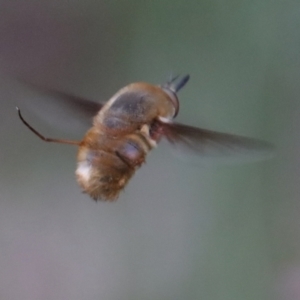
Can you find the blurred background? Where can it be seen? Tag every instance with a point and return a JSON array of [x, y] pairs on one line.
[[177, 231]]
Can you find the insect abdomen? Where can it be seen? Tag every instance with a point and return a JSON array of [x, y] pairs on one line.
[[104, 168]]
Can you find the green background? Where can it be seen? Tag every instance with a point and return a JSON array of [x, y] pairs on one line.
[[178, 231]]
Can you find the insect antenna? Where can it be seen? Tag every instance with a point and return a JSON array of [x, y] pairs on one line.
[[51, 140], [174, 84], [181, 83], [172, 78]]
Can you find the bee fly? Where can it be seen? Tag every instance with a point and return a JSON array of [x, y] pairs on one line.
[[131, 124]]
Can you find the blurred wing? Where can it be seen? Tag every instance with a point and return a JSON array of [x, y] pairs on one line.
[[87, 108], [211, 144], [84, 107], [66, 112]]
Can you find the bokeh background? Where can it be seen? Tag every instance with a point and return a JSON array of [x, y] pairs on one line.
[[178, 231]]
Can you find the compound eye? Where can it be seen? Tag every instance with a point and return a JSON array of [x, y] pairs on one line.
[[173, 97], [172, 87]]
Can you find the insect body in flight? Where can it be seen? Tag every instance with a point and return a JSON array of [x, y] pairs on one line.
[[131, 124]]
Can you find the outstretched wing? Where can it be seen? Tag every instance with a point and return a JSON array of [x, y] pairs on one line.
[[86, 107], [213, 144], [69, 113]]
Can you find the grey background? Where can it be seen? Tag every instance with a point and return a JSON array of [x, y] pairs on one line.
[[178, 231]]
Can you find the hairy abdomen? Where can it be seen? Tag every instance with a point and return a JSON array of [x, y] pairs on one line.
[[105, 163]]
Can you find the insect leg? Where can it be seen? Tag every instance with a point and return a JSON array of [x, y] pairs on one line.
[[61, 141]]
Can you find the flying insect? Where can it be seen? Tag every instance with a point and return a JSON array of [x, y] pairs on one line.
[[128, 126]]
